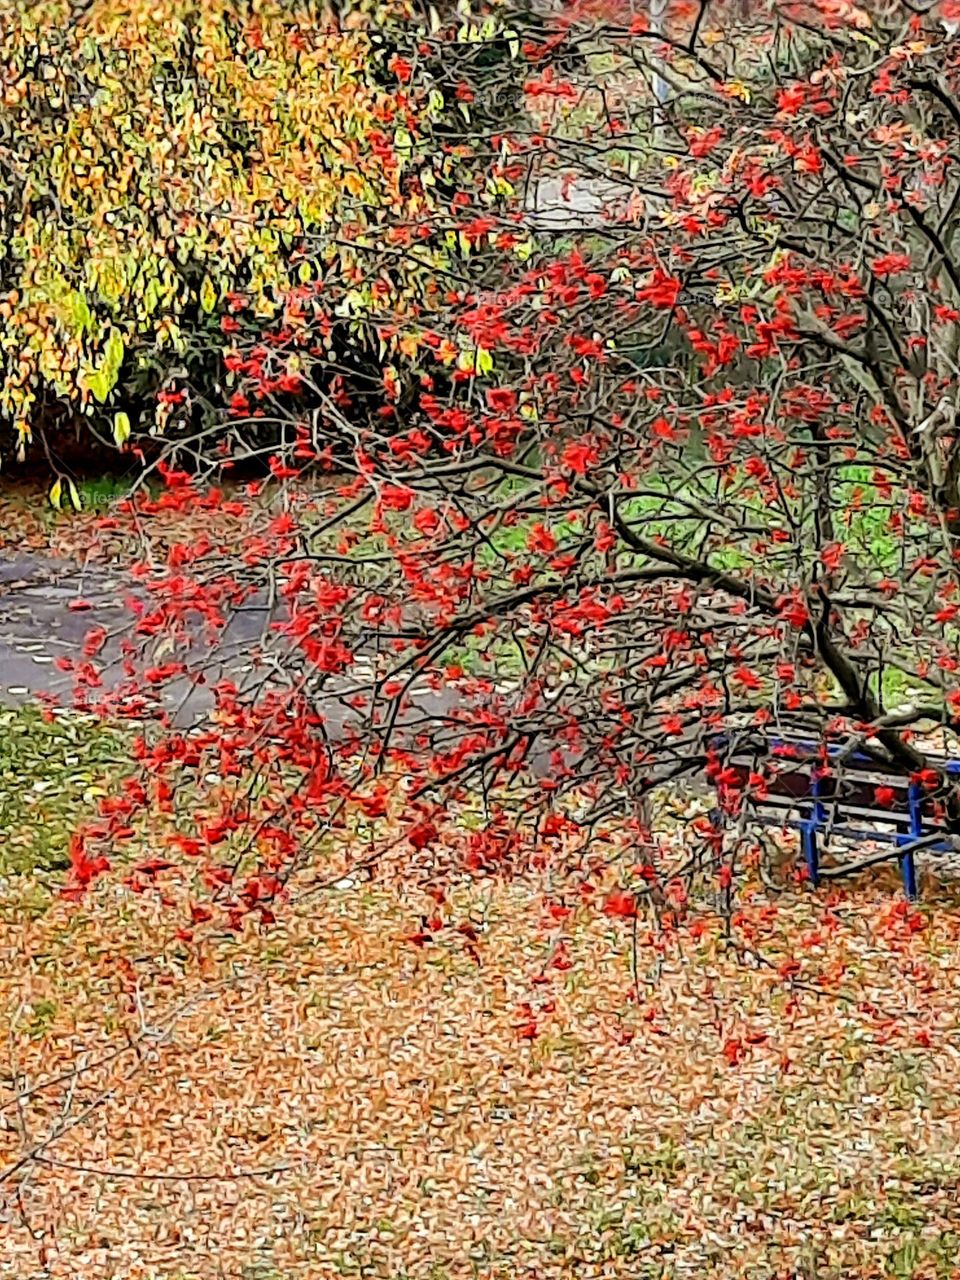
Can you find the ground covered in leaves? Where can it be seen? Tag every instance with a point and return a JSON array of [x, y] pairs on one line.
[[328, 1098]]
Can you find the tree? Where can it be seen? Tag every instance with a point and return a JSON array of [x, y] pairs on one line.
[[680, 468]]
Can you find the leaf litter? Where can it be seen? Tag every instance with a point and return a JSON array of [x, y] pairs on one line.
[[328, 1098]]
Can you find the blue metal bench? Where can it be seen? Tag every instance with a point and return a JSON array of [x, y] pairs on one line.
[[819, 801]]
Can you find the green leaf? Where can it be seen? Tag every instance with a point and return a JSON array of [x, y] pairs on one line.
[[80, 313], [151, 296], [102, 381], [402, 141], [113, 355], [99, 384], [121, 429]]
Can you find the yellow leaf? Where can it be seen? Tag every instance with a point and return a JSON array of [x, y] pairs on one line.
[[56, 494], [737, 89], [208, 295]]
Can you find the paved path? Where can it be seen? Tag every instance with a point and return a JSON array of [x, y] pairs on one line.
[[40, 622], [37, 624], [43, 616]]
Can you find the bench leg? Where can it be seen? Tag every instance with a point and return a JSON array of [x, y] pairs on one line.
[[908, 871], [808, 840]]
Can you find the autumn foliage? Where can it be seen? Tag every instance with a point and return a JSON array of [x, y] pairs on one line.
[[656, 473], [163, 158]]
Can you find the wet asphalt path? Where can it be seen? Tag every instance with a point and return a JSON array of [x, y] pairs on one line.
[[48, 606]]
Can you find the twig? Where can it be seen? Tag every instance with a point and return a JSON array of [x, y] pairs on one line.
[[162, 1177]]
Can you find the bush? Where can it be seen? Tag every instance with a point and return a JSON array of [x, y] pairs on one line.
[[168, 160]]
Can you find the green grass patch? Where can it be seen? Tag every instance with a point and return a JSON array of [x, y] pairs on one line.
[[98, 492], [52, 775]]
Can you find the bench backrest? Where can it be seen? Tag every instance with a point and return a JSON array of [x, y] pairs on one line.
[[852, 786]]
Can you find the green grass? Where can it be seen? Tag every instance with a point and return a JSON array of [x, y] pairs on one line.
[[98, 492], [51, 778], [678, 511]]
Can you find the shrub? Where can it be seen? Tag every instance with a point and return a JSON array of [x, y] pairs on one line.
[[167, 161]]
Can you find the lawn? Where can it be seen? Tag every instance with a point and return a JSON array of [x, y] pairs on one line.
[[53, 771]]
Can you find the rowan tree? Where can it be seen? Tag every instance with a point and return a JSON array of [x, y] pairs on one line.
[[675, 461]]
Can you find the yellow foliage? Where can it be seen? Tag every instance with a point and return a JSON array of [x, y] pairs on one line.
[[159, 154]]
